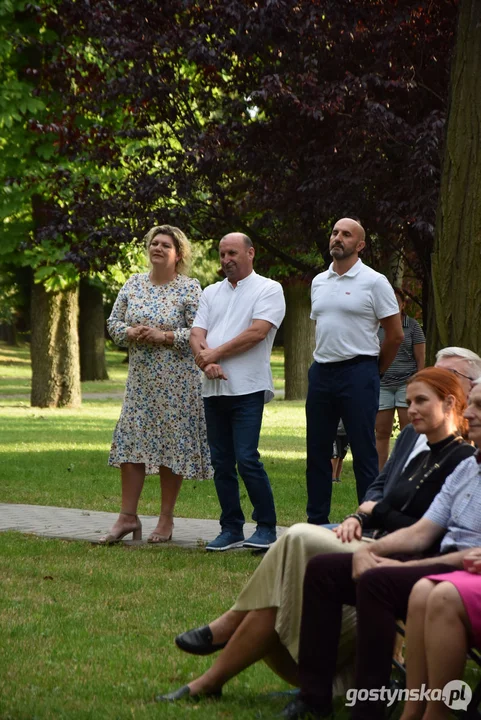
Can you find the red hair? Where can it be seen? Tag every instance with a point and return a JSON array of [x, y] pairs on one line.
[[445, 383]]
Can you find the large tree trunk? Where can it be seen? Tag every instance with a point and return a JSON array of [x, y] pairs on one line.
[[299, 339], [455, 304], [91, 332], [55, 348]]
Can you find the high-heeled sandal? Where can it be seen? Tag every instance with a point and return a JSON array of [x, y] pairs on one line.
[[155, 538], [111, 538]]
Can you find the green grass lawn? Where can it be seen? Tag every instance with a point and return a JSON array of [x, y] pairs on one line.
[[59, 457], [86, 631]]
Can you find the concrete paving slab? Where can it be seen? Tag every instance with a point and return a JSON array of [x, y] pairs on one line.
[[90, 525]]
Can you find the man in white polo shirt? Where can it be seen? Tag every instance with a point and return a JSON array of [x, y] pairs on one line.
[[349, 300], [232, 338]]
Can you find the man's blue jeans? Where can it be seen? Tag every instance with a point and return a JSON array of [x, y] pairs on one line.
[[233, 429], [347, 390]]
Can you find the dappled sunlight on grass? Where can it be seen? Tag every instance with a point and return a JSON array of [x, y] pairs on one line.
[[54, 447], [14, 387], [59, 456], [284, 454], [277, 367], [17, 356], [15, 363]]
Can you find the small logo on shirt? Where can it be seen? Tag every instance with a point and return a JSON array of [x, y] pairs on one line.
[[348, 293]]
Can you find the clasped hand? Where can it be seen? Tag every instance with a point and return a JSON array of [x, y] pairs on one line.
[[145, 334], [207, 359], [364, 560], [472, 561], [206, 356], [214, 372]]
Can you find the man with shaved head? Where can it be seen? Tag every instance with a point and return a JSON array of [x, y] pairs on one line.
[[232, 339], [349, 301]]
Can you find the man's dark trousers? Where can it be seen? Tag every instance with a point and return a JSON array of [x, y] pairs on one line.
[[233, 429], [347, 390]]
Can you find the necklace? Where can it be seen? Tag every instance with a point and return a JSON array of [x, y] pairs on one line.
[[427, 471], [422, 473]]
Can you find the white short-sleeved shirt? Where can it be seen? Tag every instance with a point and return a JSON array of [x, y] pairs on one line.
[[347, 309], [225, 311]]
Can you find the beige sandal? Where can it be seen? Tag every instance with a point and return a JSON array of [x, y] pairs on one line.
[[111, 538], [156, 538]]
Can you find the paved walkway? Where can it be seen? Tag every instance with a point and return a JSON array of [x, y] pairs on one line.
[[90, 525]]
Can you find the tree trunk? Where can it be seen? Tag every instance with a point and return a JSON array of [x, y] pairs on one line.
[[8, 333], [55, 348], [395, 273], [455, 302], [91, 332], [299, 339]]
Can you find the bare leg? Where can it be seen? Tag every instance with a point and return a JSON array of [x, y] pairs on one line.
[[384, 421], [417, 671], [282, 663], [334, 463], [446, 640], [398, 651], [339, 467], [132, 477], [223, 627], [254, 639], [170, 485], [402, 414], [336, 469]]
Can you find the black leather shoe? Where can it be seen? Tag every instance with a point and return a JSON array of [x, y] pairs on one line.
[[198, 641], [183, 693], [298, 709]]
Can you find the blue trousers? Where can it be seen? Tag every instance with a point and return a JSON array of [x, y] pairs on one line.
[[233, 429], [348, 390]]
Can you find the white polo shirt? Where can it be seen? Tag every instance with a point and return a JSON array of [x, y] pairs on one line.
[[347, 309], [225, 311]]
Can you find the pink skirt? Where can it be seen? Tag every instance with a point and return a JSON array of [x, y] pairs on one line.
[[468, 586]]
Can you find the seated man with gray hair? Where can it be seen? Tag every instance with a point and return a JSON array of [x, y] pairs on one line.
[[464, 363]]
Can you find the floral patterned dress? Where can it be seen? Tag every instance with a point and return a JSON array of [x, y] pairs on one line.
[[162, 420]]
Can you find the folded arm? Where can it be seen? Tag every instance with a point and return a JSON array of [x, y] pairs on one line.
[[410, 540], [198, 343], [243, 342]]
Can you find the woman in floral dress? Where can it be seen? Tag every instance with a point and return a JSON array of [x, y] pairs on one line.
[[161, 427]]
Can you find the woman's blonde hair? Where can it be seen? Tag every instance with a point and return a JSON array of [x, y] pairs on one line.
[[181, 244]]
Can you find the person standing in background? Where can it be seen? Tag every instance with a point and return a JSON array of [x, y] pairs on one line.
[[161, 428], [410, 358], [235, 325], [339, 452], [349, 300]]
